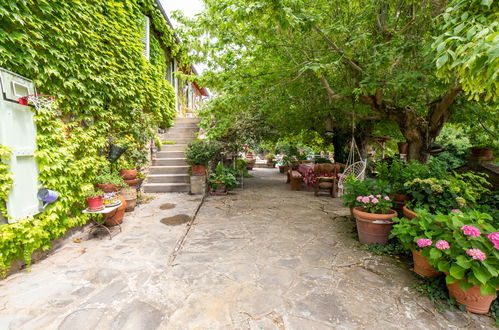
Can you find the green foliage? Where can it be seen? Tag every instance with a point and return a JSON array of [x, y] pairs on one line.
[[89, 55], [201, 152], [467, 47], [454, 260], [108, 177], [458, 191], [222, 175], [392, 248], [6, 179], [436, 290], [355, 188], [456, 143], [89, 191]]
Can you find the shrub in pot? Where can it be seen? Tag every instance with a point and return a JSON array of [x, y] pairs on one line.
[[221, 180], [467, 250], [109, 181], [355, 188], [94, 198], [199, 153]]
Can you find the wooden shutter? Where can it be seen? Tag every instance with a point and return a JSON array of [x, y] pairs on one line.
[[18, 132]]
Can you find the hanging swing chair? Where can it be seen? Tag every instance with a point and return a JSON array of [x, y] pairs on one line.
[[354, 167]]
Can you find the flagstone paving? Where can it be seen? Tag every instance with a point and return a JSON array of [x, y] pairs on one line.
[[263, 258]]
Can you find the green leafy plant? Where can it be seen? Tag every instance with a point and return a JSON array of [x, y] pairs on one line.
[[355, 188], [436, 291], [88, 191], [107, 177], [466, 247], [6, 179], [270, 156], [393, 247], [201, 152], [222, 175]]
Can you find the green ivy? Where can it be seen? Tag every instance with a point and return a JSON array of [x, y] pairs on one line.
[[89, 55], [6, 179]]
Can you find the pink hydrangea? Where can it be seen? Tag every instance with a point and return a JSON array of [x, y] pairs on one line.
[[442, 245], [370, 196], [456, 211], [423, 242], [387, 198], [476, 254], [471, 231], [378, 196], [494, 238], [359, 199], [375, 201], [365, 200]]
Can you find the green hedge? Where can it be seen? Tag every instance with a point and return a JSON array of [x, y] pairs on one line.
[[89, 55]]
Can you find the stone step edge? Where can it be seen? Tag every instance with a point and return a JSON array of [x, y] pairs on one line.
[[166, 184]]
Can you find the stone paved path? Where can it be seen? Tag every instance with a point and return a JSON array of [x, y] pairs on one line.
[[263, 258]]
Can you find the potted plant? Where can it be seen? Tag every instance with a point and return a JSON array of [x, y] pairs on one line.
[[270, 159], [221, 180], [467, 251], [355, 188], [250, 158], [94, 198], [127, 170], [198, 154], [374, 218], [109, 181], [411, 235], [129, 194]]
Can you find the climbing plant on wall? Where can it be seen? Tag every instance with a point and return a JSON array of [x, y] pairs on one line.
[[89, 55]]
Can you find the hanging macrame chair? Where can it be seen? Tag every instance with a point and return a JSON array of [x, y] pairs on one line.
[[354, 167]]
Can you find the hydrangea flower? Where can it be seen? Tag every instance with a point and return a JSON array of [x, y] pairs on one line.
[[460, 201], [378, 196], [470, 231], [437, 188], [359, 199], [423, 242], [365, 200], [476, 254], [370, 196], [387, 198], [442, 245], [456, 211], [494, 238], [375, 201]]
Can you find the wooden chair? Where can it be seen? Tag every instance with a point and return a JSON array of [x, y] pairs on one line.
[[326, 178]]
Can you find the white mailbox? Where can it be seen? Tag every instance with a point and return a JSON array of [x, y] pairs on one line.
[[18, 132]]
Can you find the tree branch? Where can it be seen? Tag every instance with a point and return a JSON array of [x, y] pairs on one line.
[[440, 111], [332, 95]]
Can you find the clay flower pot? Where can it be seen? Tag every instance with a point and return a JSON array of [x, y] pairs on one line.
[[130, 197], [132, 182], [372, 227], [399, 198], [95, 203], [220, 190], [128, 174], [107, 187], [198, 170], [116, 217], [472, 298], [422, 266], [409, 214]]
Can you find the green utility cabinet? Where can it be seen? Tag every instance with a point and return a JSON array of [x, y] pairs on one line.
[[18, 132]]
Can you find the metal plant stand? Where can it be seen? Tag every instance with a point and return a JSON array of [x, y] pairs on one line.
[[100, 225]]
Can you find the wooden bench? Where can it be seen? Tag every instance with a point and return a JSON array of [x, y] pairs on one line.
[[296, 178]]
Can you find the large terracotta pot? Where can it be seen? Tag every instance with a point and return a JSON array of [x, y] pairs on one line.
[[130, 197], [373, 231], [399, 198], [107, 187], [198, 170], [409, 214], [422, 266], [128, 174], [359, 213], [472, 298], [116, 217]]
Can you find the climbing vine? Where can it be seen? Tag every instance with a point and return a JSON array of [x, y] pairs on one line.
[[89, 55]]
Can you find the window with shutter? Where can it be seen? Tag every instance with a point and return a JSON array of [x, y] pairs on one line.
[[146, 37], [18, 132]]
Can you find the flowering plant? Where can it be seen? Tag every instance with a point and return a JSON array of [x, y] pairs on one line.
[[375, 203], [466, 246], [355, 188]]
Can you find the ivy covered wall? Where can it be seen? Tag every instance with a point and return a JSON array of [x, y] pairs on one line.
[[89, 55]]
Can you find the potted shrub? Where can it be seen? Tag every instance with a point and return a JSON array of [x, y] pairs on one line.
[[270, 159], [467, 251], [374, 218], [198, 154], [411, 234], [221, 180], [94, 198], [355, 188], [109, 182]]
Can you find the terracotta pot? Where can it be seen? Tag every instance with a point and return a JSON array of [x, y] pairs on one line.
[[107, 187], [409, 214], [351, 213], [399, 198], [481, 153], [250, 164], [220, 190], [403, 147], [422, 266], [373, 231], [130, 204], [132, 182], [116, 217], [128, 174], [281, 169], [198, 170], [359, 213], [95, 203], [472, 298]]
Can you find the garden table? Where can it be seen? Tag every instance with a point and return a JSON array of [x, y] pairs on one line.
[[100, 225]]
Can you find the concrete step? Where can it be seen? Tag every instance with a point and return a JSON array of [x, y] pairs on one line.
[[186, 120], [179, 135], [171, 154], [173, 147], [169, 169], [190, 128], [180, 140], [169, 162], [166, 187], [168, 178]]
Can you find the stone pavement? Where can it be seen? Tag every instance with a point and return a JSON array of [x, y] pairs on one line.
[[262, 258]]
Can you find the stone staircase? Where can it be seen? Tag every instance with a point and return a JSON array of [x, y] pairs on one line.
[[169, 171]]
